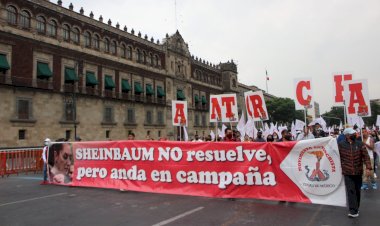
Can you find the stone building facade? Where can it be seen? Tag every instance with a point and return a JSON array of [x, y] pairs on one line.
[[62, 72]]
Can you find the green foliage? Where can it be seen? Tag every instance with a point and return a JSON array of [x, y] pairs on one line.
[[282, 110], [338, 112], [335, 112], [375, 110]]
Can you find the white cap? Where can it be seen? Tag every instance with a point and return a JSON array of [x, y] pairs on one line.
[[349, 131], [47, 140]]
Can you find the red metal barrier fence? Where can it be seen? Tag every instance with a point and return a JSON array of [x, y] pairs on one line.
[[15, 161]]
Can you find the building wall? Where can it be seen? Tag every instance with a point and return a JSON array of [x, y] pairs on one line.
[[51, 100]]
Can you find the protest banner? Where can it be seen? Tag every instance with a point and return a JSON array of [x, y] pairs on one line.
[[338, 90], [223, 108], [303, 93], [255, 105], [306, 171], [179, 113], [357, 98]]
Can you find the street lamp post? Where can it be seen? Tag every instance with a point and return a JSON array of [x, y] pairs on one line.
[[78, 67]]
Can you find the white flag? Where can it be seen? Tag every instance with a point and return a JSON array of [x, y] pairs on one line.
[[212, 134], [241, 127], [223, 134], [185, 135], [340, 126], [250, 128], [378, 120], [355, 120], [292, 129], [299, 125], [220, 134]]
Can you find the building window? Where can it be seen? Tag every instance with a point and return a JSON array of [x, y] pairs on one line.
[[75, 35], [24, 109], [139, 56], [160, 118], [41, 24], [66, 32], [12, 15], [204, 120], [25, 19], [156, 60], [108, 115], [196, 120], [4, 65], [113, 46], [123, 51], [22, 134], [68, 134], [130, 115], [87, 39], [151, 59], [233, 83], [52, 28], [129, 53], [69, 112], [96, 41], [107, 45], [108, 134], [145, 60], [149, 117]]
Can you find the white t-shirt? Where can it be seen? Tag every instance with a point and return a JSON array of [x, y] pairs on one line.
[[377, 148], [370, 152]]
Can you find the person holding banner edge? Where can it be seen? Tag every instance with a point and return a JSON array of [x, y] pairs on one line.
[[353, 155]]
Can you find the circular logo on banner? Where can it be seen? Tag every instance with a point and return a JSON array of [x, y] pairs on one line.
[[317, 172]]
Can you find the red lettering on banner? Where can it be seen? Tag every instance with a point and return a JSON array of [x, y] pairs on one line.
[[216, 111], [356, 97], [228, 102], [179, 113], [339, 86], [300, 98], [261, 170], [248, 108], [257, 104]]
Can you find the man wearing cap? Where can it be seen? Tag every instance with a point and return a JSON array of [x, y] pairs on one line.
[[44, 158], [259, 137], [353, 155]]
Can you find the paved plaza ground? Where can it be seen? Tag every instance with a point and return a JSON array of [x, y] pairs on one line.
[[23, 201]]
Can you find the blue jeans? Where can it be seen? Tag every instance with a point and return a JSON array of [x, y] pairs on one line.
[[45, 172]]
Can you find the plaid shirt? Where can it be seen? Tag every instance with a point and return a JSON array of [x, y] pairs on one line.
[[353, 156]]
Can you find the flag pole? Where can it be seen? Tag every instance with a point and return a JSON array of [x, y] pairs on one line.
[[305, 115], [345, 113], [216, 130], [180, 128], [266, 79], [180, 133]]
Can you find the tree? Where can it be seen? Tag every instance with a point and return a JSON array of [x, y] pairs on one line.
[[375, 110], [338, 112], [282, 110], [335, 112]]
